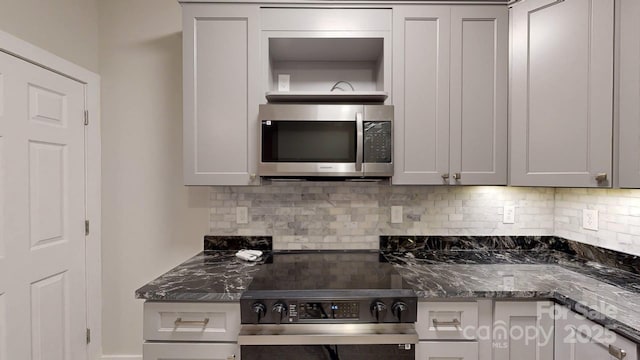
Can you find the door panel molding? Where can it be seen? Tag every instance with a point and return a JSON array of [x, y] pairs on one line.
[[90, 83]]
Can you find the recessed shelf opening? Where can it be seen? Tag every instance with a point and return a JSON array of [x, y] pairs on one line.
[[316, 64]]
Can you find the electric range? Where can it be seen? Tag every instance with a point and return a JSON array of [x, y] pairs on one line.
[[328, 287]]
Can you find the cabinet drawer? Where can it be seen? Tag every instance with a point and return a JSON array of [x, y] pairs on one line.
[[446, 350], [447, 320], [169, 321], [190, 351]]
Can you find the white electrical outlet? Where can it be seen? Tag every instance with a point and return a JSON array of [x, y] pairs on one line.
[[283, 82], [590, 219], [242, 215], [508, 282], [396, 214], [509, 214]]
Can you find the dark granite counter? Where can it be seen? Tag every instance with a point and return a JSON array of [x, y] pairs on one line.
[[212, 275], [215, 274], [512, 268], [441, 268]]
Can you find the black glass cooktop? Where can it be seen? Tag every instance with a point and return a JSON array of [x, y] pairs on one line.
[[327, 286], [327, 271]]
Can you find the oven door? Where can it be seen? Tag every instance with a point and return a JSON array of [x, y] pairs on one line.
[[328, 341]]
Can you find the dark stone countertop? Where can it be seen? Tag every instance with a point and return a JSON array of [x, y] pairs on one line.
[[212, 275], [215, 274], [607, 294]]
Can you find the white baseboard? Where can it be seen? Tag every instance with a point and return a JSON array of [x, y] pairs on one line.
[[121, 357]]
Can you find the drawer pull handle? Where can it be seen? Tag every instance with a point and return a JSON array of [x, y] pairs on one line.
[[616, 352], [179, 322], [454, 322]]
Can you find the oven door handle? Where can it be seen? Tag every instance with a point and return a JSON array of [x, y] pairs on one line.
[[327, 334]]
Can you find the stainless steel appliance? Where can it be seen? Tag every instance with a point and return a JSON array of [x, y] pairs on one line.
[[326, 140], [328, 305]]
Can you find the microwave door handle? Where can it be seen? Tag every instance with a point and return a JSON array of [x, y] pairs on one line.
[[359, 141]]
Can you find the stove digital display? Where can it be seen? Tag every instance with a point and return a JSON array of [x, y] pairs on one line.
[[329, 310]]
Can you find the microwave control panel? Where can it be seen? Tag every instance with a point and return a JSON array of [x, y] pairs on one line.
[[377, 141]]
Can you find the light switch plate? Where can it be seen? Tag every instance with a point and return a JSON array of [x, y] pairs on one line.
[[242, 215], [283, 82], [590, 219], [396, 214], [509, 214]]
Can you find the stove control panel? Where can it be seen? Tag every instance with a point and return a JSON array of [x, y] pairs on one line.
[[328, 310], [282, 311]]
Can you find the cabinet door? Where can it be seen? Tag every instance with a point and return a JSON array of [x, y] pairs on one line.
[[221, 71], [523, 331], [421, 36], [580, 339], [190, 351], [446, 350], [561, 92], [479, 54], [629, 115]]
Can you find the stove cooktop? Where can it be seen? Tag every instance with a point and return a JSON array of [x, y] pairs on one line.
[[328, 286]]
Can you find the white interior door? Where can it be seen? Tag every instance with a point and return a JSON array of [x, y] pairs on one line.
[[42, 211]]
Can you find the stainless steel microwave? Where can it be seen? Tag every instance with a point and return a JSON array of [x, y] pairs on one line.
[[326, 140]]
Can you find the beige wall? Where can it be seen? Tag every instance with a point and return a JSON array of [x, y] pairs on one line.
[[67, 28], [150, 220]]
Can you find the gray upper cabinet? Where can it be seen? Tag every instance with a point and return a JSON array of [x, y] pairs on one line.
[[629, 95], [561, 93], [478, 95], [421, 36], [450, 95], [221, 93]]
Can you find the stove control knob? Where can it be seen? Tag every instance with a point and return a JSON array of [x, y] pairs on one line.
[[258, 309], [279, 311], [378, 310], [398, 309]]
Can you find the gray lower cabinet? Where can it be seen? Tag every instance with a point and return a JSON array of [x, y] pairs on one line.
[[189, 351], [629, 95], [450, 95], [580, 339], [561, 93], [221, 45], [446, 350], [191, 331], [447, 330], [523, 330]]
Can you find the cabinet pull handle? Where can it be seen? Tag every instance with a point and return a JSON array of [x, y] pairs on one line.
[[601, 177], [457, 176], [445, 176], [454, 322], [614, 351], [232, 357], [179, 322]]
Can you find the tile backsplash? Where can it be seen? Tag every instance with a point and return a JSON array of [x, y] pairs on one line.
[[343, 215], [618, 217]]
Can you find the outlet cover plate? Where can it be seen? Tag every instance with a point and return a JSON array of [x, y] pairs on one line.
[[590, 219], [509, 214], [396, 214], [283, 82], [242, 215]]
